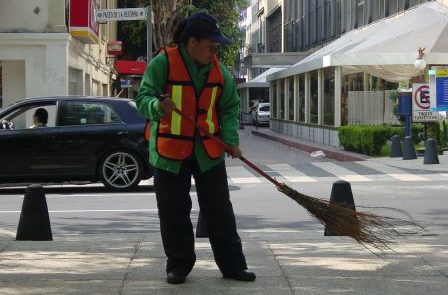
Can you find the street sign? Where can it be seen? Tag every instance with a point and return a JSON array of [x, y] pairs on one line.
[[438, 81], [103, 15], [421, 104], [126, 83]]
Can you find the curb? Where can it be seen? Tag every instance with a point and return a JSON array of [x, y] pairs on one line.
[[335, 155]]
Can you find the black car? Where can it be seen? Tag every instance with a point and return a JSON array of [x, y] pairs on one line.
[[84, 139]]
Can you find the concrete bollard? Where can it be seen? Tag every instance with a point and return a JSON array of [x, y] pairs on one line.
[[395, 150], [34, 223], [201, 227], [409, 149], [341, 193], [430, 152]]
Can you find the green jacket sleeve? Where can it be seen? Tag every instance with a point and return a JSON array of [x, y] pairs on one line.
[[153, 83], [228, 110]]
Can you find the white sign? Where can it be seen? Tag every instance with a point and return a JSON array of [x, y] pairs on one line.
[[421, 104], [103, 15]]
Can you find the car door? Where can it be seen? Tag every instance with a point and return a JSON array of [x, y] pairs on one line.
[[29, 152], [89, 128]]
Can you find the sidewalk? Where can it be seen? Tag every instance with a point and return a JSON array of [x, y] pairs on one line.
[[285, 261], [341, 155]]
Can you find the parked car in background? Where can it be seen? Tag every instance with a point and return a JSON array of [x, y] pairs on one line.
[[85, 139], [261, 114]]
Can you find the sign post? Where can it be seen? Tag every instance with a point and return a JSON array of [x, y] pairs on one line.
[[404, 108], [126, 14]]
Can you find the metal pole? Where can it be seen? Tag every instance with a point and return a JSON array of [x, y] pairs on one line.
[[148, 34], [408, 125]]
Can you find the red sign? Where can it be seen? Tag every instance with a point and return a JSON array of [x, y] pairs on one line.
[[83, 25], [421, 97], [130, 67], [115, 48]]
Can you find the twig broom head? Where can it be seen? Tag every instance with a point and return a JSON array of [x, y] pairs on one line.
[[368, 229]]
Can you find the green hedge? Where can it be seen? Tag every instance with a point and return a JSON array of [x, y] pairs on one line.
[[370, 139]]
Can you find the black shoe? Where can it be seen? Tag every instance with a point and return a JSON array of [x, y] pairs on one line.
[[175, 278], [241, 275]]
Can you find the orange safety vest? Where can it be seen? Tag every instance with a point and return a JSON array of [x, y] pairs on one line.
[[175, 136]]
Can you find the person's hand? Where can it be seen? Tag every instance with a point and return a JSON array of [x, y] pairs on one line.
[[235, 151], [166, 104]]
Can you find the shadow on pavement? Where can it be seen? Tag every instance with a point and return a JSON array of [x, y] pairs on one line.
[[75, 189]]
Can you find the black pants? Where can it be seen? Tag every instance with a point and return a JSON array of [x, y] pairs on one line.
[[174, 204]]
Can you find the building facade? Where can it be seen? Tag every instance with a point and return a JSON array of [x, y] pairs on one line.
[[54, 47], [319, 91]]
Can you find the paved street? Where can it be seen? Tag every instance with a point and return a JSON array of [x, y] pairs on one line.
[[108, 243]]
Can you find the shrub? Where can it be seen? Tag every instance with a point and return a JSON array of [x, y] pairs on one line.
[[370, 139], [364, 139]]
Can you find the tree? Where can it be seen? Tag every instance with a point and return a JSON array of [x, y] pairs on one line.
[[167, 13], [166, 16], [228, 14]]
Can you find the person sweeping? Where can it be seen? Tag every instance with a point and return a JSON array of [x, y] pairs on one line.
[[189, 78]]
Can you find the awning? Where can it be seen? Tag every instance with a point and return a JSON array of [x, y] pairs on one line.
[[130, 67], [386, 48], [260, 80]]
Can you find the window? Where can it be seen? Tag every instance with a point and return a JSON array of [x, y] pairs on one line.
[[301, 94], [378, 9], [328, 89], [328, 20], [275, 31], [87, 84], [312, 25], [75, 85], [320, 27], [314, 97], [291, 98], [33, 116], [264, 108], [360, 17], [88, 113], [282, 98], [274, 99], [392, 7]]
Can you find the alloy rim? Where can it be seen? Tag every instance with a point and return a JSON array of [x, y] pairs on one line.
[[120, 170]]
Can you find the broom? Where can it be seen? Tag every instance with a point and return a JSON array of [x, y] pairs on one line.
[[367, 229]]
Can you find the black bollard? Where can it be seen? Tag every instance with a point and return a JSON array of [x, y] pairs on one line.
[[341, 193], [430, 152], [409, 149], [395, 150], [34, 223], [201, 227]]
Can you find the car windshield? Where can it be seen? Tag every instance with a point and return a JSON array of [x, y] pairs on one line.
[[264, 109]]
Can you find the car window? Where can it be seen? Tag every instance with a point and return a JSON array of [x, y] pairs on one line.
[[88, 113], [33, 116], [264, 109]]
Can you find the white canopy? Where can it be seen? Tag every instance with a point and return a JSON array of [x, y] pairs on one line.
[[386, 48], [260, 80]]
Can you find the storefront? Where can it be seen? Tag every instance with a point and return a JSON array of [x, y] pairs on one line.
[[310, 100]]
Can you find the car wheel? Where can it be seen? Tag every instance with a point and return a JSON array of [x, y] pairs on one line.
[[120, 170]]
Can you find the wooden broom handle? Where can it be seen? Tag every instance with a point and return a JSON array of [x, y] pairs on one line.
[[227, 148]]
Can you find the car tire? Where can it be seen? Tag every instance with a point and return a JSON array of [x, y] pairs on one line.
[[120, 170]]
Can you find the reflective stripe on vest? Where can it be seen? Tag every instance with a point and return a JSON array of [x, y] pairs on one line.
[[211, 125], [176, 119]]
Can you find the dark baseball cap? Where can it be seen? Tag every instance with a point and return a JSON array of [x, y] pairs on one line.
[[202, 25]]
